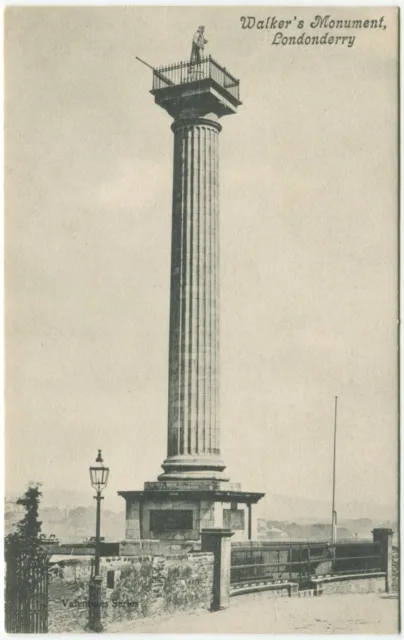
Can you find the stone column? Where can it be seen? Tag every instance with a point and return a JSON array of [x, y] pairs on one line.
[[193, 402]]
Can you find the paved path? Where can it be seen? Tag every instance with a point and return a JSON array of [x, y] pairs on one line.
[[259, 613]]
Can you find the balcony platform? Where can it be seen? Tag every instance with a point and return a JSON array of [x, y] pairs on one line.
[[205, 85]]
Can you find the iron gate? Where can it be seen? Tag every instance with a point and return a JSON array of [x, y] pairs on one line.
[[26, 594]]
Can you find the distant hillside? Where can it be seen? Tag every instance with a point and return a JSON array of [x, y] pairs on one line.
[[60, 498], [348, 529], [72, 524], [291, 508], [271, 507]]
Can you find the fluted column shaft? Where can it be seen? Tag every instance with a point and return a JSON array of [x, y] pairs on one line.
[[193, 403]]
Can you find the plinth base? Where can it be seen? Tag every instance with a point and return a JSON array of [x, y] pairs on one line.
[[188, 467], [177, 511]]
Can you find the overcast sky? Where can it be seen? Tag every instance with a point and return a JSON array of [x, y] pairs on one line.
[[308, 251]]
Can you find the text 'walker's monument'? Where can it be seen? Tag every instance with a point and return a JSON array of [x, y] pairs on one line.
[[193, 493]]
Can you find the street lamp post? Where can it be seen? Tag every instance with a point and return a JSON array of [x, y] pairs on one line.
[[99, 479]]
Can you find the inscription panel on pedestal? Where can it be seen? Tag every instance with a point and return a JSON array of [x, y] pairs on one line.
[[169, 520], [233, 519]]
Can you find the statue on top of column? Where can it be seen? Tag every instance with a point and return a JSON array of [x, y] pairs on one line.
[[198, 44]]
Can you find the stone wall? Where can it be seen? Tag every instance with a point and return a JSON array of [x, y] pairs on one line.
[[132, 588], [375, 583], [157, 547]]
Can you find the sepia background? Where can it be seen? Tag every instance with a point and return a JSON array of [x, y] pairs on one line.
[[308, 257]]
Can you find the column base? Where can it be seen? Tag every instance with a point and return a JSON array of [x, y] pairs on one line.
[[185, 467]]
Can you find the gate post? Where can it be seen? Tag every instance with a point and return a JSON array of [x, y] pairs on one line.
[[385, 539], [217, 541]]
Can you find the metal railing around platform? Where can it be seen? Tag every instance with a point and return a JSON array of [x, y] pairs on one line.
[[186, 72], [295, 562]]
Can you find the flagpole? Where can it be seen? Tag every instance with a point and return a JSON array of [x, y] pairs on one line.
[[334, 513]]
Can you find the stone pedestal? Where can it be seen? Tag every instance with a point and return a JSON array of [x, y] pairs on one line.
[[175, 512]]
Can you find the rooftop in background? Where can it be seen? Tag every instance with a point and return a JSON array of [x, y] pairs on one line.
[[207, 80]]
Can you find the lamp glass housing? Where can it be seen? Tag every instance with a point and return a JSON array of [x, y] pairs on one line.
[[99, 476]]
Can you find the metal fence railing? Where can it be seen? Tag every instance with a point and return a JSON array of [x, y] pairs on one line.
[[186, 72], [301, 562]]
